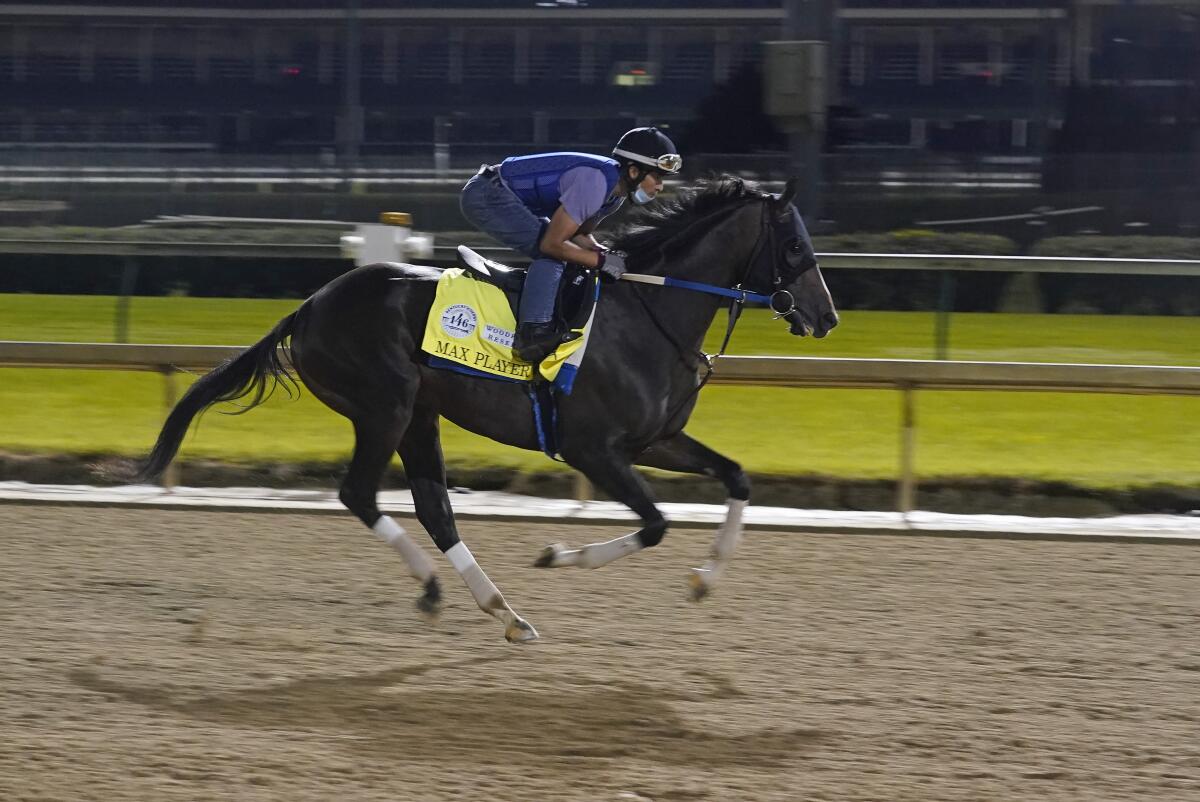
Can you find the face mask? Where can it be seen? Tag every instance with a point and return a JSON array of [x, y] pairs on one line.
[[640, 197]]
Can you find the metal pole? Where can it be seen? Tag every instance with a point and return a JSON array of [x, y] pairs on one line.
[[170, 396], [941, 323], [907, 490], [129, 274]]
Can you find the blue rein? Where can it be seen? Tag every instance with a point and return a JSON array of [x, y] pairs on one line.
[[711, 289]]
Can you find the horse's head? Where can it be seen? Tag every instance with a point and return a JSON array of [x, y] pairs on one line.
[[787, 266]]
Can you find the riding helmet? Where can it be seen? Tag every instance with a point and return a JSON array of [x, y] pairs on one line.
[[649, 147]]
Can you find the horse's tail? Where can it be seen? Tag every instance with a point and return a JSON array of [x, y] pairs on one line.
[[257, 370]]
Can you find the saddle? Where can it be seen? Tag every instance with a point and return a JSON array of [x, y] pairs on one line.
[[575, 299]]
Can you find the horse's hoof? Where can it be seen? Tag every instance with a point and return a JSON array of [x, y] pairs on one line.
[[430, 604], [548, 555], [520, 631], [698, 587]]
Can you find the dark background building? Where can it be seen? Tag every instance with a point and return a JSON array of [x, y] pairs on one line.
[[1010, 105], [279, 76]]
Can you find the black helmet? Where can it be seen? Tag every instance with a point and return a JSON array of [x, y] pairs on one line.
[[649, 147]]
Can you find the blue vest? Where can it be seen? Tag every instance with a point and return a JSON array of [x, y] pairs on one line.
[[534, 179]]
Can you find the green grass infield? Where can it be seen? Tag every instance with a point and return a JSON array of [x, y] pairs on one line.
[[1101, 441]]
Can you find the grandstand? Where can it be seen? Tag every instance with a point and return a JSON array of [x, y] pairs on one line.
[[376, 77]]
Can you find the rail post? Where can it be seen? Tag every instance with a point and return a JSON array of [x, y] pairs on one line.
[[583, 488], [170, 396], [129, 276], [906, 493], [941, 324]]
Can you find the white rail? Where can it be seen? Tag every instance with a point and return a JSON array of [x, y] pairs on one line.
[[906, 376]]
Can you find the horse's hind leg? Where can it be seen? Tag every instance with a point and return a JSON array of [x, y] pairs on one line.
[[374, 443], [611, 473], [421, 451], [686, 455]]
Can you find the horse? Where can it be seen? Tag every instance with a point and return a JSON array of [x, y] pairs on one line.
[[356, 345]]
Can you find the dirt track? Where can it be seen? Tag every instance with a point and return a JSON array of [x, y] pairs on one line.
[[151, 655]]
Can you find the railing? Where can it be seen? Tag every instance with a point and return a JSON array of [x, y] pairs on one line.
[[445, 254], [906, 376]]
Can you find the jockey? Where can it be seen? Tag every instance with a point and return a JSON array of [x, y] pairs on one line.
[[547, 205]]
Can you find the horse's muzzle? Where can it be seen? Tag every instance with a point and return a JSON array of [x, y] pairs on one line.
[[802, 327]]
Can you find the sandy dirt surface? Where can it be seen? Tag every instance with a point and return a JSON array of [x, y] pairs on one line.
[[154, 655]]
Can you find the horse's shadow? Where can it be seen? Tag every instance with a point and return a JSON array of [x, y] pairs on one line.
[[610, 720]]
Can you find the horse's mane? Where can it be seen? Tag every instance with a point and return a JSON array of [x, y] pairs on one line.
[[665, 221]]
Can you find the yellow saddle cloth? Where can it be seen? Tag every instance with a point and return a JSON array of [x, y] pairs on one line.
[[471, 325]]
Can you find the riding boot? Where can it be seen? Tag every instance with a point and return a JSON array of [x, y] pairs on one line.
[[535, 341]]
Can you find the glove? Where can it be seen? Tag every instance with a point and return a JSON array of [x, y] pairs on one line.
[[612, 266]]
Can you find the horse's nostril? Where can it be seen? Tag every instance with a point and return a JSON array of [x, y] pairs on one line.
[[830, 319]]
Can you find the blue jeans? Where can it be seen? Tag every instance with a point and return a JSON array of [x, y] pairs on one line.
[[494, 209]]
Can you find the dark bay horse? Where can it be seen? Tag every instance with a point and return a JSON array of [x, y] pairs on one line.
[[355, 344]]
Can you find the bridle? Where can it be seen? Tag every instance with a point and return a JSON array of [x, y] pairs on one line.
[[780, 300]]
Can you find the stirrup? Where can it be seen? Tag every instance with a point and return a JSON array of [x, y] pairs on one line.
[[539, 341]]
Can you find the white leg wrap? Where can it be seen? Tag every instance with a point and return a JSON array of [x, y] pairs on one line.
[[724, 545], [392, 533], [486, 594], [730, 533], [595, 555]]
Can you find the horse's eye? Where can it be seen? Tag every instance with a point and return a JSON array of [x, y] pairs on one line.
[[797, 246]]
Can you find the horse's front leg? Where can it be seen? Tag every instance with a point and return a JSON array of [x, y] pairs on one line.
[[613, 474], [683, 454], [421, 452]]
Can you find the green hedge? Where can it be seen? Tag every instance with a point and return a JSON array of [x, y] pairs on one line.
[[916, 240], [1130, 247]]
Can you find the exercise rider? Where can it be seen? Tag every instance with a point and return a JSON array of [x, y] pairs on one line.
[[548, 204]]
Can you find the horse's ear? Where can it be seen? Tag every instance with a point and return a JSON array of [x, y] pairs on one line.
[[787, 196]]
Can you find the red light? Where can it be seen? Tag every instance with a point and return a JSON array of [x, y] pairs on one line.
[[637, 71], [292, 71]]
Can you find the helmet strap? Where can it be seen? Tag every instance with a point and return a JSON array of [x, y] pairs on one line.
[[640, 174]]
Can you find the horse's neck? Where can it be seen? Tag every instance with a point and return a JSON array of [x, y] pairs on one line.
[[718, 258]]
